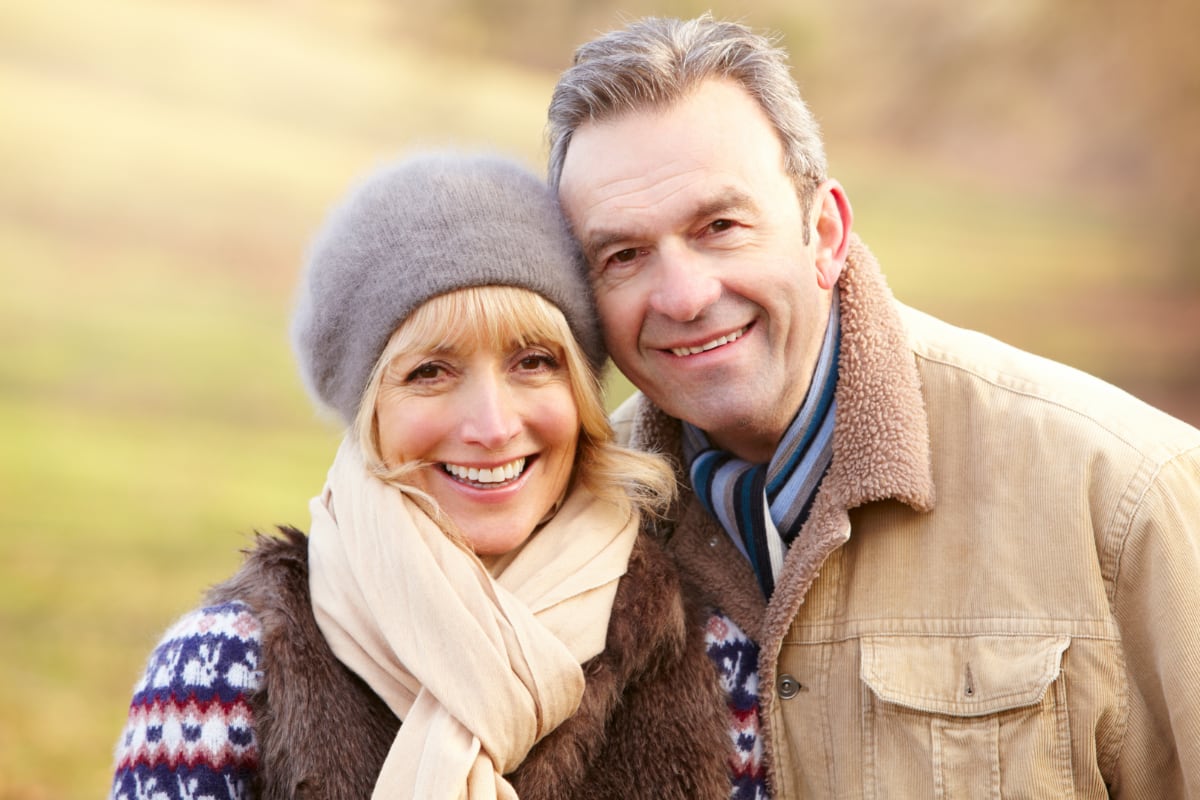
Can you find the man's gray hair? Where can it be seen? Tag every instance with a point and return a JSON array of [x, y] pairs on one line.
[[655, 62]]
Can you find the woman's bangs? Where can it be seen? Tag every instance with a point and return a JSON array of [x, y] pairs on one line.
[[494, 317]]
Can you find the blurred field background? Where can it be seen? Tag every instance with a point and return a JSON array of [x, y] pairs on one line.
[[1029, 169]]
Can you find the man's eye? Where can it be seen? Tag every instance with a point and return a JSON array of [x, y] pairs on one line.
[[624, 256], [721, 225]]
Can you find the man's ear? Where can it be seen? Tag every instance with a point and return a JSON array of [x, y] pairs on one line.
[[833, 223]]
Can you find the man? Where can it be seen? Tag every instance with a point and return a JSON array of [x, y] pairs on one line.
[[963, 570]]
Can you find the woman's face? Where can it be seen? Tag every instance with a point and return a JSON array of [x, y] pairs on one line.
[[498, 431]]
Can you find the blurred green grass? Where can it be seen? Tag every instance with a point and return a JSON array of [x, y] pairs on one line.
[[161, 180]]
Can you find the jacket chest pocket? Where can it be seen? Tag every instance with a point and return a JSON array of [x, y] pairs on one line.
[[965, 717]]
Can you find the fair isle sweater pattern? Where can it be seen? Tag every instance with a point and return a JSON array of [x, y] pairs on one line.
[[189, 734], [735, 656]]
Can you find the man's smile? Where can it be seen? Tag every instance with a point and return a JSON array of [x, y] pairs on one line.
[[710, 345]]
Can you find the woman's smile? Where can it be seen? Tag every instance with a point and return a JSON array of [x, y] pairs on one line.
[[502, 474]]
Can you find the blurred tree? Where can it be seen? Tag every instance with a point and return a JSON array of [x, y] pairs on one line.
[[1095, 98], [1139, 113]]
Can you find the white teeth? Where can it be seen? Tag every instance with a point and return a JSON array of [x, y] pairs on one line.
[[691, 351], [499, 474]]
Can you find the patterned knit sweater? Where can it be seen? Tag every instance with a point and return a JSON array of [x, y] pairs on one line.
[[736, 657], [190, 734]]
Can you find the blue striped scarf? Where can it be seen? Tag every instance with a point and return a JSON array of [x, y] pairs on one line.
[[763, 506]]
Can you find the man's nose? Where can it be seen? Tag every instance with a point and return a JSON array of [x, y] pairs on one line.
[[684, 286], [489, 414]]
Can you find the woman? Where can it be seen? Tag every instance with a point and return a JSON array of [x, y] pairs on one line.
[[473, 568]]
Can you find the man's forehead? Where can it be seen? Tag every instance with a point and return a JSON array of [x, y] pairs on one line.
[[707, 131], [608, 180], [626, 145]]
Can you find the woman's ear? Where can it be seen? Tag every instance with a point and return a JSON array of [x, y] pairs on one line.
[[833, 223]]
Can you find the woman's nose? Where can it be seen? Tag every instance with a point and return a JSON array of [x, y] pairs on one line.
[[489, 414]]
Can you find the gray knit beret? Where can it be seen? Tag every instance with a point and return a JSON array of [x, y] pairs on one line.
[[424, 226]]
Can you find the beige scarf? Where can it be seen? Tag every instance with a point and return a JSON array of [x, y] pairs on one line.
[[478, 665]]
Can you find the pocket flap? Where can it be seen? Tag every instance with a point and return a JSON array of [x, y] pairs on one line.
[[964, 676]]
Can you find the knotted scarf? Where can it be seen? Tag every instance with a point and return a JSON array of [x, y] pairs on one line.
[[763, 506], [479, 665]]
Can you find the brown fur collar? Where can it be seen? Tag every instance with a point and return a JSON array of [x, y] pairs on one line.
[[652, 723]]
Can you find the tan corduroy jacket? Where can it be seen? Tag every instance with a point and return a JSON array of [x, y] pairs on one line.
[[997, 593]]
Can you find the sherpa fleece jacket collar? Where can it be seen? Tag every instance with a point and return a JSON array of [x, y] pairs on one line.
[[880, 451]]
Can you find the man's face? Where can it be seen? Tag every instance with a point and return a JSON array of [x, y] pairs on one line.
[[712, 303]]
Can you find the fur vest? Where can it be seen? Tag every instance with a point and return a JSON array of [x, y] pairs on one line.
[[653, 721]]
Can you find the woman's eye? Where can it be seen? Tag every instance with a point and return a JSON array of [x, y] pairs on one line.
[[720, 225], [537, 361], [425, 372]]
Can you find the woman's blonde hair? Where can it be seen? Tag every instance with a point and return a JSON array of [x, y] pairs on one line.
[[502, 317]]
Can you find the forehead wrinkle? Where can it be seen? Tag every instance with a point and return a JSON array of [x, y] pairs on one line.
[[723, 201]]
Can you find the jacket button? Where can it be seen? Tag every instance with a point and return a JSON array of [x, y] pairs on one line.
[[788, 687]]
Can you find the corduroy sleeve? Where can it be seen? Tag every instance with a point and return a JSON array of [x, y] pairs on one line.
[[1156, 602]]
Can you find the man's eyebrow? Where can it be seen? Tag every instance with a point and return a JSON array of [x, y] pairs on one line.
[[731, 200], [601, 240], [725, 202]]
